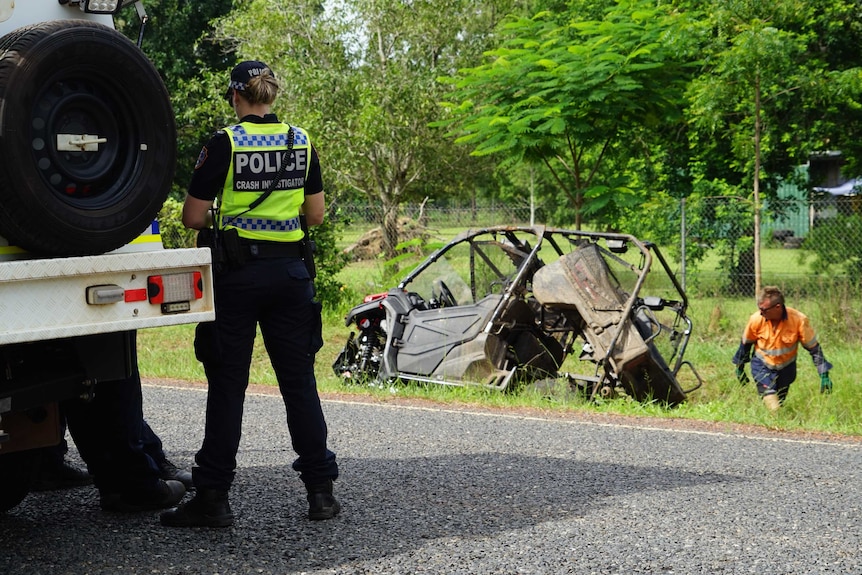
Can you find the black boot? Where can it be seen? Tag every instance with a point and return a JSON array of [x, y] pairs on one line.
[[321, 503], [168, 470], [208, 508], [166, 494], [62, 476]]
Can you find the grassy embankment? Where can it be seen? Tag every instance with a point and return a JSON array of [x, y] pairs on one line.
[[168, 353]]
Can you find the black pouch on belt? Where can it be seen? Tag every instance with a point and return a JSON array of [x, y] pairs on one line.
[[233, 251], [308, 249], [225, 246]]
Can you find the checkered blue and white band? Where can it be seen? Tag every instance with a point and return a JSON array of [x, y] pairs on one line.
[[264, 225], [244, 139]]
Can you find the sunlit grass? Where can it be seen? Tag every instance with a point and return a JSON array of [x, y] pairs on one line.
[[718, 323]]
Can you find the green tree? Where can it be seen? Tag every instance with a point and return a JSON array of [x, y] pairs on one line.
[[362, 78], [771, 93], [759, 66], [177, 38], [568, 96]]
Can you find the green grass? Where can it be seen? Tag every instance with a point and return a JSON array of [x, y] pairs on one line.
[[168, 353]]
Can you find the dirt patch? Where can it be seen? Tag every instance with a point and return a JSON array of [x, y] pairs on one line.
[[370, 245]]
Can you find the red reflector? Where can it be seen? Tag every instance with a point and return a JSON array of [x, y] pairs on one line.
[[155, 289], [373, 297], [198, 284], [136, 295]]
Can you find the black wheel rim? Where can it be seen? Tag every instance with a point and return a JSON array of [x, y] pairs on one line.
[[82, 179]]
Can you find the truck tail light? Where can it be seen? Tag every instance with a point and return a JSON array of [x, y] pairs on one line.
[[100, 6], [174, 292]]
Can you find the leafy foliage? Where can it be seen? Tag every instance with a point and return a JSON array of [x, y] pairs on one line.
[[329, 261], [565, 95], [174, 233], [596, 108], [177, 38], [845, 255], [759, 107]]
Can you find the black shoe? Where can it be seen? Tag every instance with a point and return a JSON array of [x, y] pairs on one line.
[[321, 503], [208, 508], [65, 476], [168, 470], [166, 494]]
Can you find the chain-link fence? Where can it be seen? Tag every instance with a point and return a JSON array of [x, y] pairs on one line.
[[359, 218], [810, 247], [435, 216]]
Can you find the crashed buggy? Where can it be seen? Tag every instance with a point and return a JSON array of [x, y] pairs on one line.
[[505, 307]]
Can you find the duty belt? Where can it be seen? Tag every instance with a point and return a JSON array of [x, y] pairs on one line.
[[255, 249]]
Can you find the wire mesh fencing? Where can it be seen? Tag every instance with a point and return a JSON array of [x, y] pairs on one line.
[[434, 216], [809, 246]]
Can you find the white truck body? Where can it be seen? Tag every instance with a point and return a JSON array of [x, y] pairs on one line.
[[77, 301], [17, 13], [46, 298]]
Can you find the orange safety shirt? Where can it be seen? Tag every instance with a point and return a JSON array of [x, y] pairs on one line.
[[777, 345]]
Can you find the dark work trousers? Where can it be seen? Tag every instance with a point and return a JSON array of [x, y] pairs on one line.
[[152, 444], [770, 380], [54, 457], [107, 432], [277, 294]]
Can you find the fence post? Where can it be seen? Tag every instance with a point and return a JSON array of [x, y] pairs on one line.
[[682, 241]]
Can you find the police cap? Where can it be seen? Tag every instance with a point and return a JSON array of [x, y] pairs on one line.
[[242, 73]]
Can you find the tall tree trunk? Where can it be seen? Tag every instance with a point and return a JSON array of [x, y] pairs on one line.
[[757, 130], [390, 229]]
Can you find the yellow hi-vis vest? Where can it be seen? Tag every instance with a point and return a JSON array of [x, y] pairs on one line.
[[256, 155]]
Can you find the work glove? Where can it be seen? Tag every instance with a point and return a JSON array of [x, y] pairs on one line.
[[825, 383], [741, 376]]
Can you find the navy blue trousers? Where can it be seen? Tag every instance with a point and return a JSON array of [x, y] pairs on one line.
[[770, 380], [278, 295], [110, 430]]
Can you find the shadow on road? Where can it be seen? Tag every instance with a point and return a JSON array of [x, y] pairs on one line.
[[390, 507]]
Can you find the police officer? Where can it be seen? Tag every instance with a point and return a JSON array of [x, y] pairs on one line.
[[272, 288], [56, 472]]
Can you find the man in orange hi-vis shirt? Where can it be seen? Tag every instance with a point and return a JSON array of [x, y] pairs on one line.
[[775, 331]]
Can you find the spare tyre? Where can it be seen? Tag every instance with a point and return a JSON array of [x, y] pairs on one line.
[[87, 137]]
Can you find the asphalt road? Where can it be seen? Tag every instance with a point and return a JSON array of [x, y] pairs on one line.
[[428, 490]]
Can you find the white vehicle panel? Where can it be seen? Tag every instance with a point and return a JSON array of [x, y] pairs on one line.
[[17, 13], [46, 298]]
